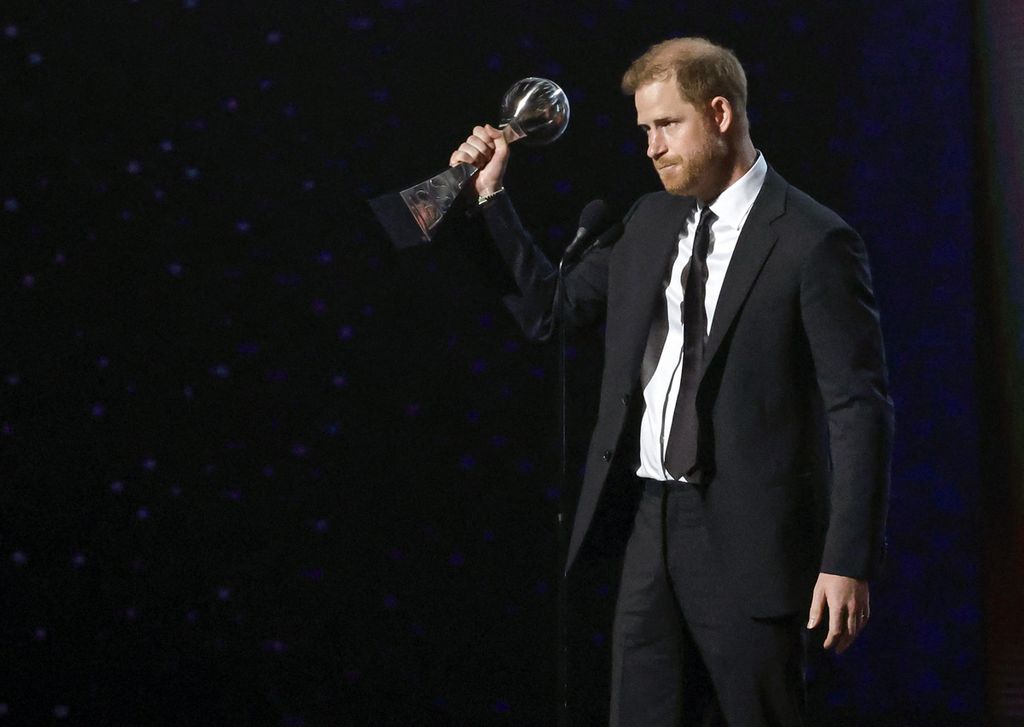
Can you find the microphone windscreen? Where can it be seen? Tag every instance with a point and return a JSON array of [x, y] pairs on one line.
[[593, 215]]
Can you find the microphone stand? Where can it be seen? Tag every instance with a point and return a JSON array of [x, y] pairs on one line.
[[563, 477]]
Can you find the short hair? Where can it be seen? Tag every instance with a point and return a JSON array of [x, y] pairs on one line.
[[702, 70]]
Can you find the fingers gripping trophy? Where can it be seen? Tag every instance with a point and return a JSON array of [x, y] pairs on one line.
[[534, 111]]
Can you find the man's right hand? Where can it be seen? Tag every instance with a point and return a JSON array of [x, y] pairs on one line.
[[487, 150]]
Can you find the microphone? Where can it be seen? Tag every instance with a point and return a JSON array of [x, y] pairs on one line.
[[591, 218], [608, 237]]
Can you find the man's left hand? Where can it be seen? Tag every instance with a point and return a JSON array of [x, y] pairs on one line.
[[849, 609]]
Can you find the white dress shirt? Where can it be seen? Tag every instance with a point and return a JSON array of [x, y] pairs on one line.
[[731, 209]]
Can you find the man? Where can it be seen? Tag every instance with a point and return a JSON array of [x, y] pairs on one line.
[[744, 394]]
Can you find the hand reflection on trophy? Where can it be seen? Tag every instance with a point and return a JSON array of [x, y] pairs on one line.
[[534, 111]]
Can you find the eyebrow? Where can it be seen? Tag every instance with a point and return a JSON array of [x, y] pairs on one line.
[[661, 120]]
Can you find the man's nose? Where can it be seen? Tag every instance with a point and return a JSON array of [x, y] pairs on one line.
[[655, 144]]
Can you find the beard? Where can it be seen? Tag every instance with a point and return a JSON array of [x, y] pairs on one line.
[[685, 177]]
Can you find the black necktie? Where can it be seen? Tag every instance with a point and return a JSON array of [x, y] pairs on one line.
[[681, 452]]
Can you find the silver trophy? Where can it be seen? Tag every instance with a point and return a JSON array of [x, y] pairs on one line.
[[534, 111]]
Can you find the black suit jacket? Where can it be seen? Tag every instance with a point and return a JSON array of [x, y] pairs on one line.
[[796, 423]]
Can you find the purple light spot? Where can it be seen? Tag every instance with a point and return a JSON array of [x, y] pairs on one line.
[[486, 320], [360, 23], [235, 494], [597, 639], [313, 574], [134, 167], [242, 226], [149, 464], [175, 269], [275, 646], [188, 393], [11, 204], [299, 450], [277, 376], [192, 174], [7, 429], [524, 466], [175, 490], [29, 281], [473, 417], [412, 410], [221, 371], [102, 362], [308, 185], [345, 333], [467, 462], [541, 588], [166, 145], [249, 348], [396, 554], [11, 31], [552, 493], [511, 346], [498, 441], [319, 306], [130, 613], [78, 560], [59, 258], [127, 215], [117, 487], [537, 372], [321, 526], [289, 110], [488, 536], [339, 381], [456, 559], [35, 58], [192, 617], [268, 471], [273, 37], [563, 186], [603, 590], [98, 410], [223, 593], [190, 4], [368, 310], [494, 62], [39, 634], [478, 366], [501, 707], [13, 379], [266, 84], [230, 105], [798, 24], [19, 557], [142, 513], [390, 602], [380, 95], [61, 711], [351, 675]]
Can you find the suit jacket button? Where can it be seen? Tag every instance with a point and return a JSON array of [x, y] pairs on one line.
[[625, 399], [607, 456]]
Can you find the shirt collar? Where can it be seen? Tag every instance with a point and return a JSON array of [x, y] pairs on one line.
[[734, 203]]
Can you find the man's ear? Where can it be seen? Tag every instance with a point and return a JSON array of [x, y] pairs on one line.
[[721, 113]]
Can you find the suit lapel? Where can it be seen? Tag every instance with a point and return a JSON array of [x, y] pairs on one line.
[[656, 243], [754, 245]]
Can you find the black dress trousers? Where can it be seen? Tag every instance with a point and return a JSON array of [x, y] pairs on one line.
[[684, 652]]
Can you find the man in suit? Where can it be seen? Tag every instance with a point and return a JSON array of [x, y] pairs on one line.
[[743, 398]]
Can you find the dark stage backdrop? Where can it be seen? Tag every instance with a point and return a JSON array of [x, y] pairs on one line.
[[257, 468]]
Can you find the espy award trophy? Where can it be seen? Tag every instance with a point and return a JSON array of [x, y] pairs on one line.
[[534, 111]]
